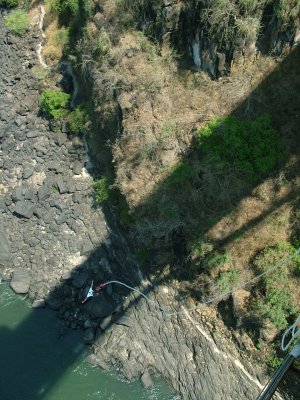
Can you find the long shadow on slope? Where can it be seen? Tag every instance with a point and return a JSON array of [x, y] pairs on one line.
[[198, 193]]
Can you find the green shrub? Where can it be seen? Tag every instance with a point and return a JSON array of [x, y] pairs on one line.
[[9, 3], [65, 7], [227, 280], [17, 22], [54, 103], [274, 361], [271, 256], [277, 304], [200, 248], [252, 147], [102, 44], [218, 260], [101, 190], [77, 119]]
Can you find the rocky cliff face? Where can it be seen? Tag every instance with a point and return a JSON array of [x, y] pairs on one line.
[[220, 35]]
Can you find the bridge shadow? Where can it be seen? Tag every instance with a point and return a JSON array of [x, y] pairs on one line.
[[197, 204]]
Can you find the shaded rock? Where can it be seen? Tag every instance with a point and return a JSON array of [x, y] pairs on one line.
[[24, 209], [54, 303], [147, 380], [99, 307], [20, 281], [89, 336], [80, 280]]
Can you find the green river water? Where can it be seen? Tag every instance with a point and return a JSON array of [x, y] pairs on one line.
[[36, 363]]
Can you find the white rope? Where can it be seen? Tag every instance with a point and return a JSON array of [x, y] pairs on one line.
[[217, 298], [292, 332]]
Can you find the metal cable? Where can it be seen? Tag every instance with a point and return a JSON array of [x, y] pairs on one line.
[[216, 298]]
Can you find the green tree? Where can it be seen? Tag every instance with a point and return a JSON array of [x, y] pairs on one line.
[[54, 103]]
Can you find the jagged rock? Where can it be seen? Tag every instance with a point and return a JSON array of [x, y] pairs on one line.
[[61, 139], [32, 134], [62, 187], [24, 209], [20, 281], [77, 168], [28, 171], [17, 194], [44, 192]]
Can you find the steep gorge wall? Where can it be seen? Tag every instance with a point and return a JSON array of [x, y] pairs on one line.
[[221, 35]]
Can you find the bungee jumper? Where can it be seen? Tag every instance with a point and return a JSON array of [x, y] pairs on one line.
[[93, 292]]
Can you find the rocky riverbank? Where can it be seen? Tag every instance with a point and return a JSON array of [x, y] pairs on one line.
[[54, 241]]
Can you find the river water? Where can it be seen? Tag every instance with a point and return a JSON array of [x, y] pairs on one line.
[[38, 360]]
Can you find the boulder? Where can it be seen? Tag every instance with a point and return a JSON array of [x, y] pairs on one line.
[[17, 194], [24, 209], [147, 380], [28, 171], [61, 139], [44, 192], [20, 281], [38, 303], [99, 307]]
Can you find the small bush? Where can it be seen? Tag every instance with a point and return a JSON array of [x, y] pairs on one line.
[[54, 103], [274, 361], [200, 248], [102, 44], [277, 304], [101, 190], [65, 8], [252, 147], [9, 3], [218, 260], [77, 119], [17, 22], [227, 280]]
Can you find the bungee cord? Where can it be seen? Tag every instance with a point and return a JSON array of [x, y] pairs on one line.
[[216, 298]]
